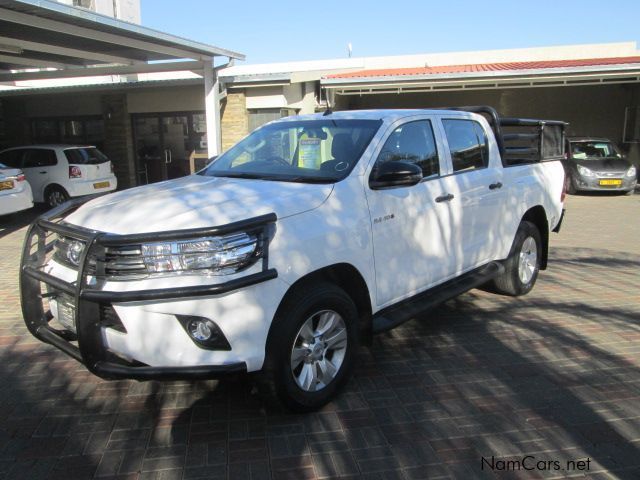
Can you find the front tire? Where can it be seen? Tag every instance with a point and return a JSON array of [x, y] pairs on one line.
[[313, 346], [523, 264]]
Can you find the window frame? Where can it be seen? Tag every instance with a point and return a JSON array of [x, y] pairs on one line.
[[436, 142], [448, 146]]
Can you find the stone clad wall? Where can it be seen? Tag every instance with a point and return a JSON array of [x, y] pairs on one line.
[[234, 119]]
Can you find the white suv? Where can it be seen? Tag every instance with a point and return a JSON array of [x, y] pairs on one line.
[[58, 172]]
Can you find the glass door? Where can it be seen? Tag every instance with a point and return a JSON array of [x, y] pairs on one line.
[[164, 143], [150, 162], [175, 135]]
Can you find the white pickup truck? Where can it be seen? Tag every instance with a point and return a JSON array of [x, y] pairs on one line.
[[294, 246]]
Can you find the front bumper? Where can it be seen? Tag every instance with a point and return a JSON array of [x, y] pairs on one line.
[[593, 184], [89, 343]]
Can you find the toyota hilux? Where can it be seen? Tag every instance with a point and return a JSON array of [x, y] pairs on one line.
[[293, 247]]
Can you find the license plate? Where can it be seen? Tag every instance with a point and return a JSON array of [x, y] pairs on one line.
[[611, 182], [7, 185], [101, 185], [65, 312]]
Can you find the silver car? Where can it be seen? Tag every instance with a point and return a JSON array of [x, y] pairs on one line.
[[596, 164]]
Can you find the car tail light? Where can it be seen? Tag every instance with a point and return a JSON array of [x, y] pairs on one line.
[[20, 177], [564, 187], [75, 172]]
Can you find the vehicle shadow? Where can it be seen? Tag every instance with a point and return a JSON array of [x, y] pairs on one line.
[[16, 221], [553, 375]]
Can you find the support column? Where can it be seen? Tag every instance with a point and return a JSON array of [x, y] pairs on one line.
[[212, 108], [118, 138]]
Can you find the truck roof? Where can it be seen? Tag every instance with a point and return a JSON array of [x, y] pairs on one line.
[[377, 114]]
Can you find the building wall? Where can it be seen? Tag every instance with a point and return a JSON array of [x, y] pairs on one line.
[[596, 110], [235, 118], [62, 105], [170, 99]]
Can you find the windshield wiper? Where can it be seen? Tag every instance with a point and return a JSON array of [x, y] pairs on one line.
[[304, 179], [253, 176]]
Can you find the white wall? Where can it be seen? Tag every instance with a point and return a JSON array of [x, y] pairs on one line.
[[300, 96]]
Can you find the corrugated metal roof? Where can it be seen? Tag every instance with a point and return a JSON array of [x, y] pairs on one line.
[[55, 11], [486, 67], [94, 87]]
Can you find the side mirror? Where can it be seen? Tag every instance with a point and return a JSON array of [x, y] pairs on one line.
[[395, 174]]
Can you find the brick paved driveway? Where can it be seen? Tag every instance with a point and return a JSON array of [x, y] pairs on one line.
[[554, 375]]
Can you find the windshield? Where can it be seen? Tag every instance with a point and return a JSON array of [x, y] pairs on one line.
[[319, 151], [593, 150], [85, 156]]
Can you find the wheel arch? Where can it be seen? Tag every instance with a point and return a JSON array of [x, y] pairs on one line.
[[345, 276], [50, 186], [538, 216]]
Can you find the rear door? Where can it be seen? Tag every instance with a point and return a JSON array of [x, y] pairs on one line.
[[409, 225], [476, 184]]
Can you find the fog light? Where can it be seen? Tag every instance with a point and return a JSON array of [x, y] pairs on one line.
[[200, 330], [204, 332]]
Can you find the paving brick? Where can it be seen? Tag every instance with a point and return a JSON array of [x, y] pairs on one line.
[[554, 374]]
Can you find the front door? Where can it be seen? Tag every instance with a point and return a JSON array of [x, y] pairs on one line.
[[164, 144], [411, 248]]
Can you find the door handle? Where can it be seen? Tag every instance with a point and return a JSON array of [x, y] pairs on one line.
[[445, 198], [495, 186], [42, 173]]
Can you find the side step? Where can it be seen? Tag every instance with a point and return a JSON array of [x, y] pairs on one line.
[[392, 316]]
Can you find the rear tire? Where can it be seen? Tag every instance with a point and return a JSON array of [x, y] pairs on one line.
[[313, 346], [523, 264], [55, 196]]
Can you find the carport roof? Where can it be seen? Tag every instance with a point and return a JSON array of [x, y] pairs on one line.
[[37, 34]]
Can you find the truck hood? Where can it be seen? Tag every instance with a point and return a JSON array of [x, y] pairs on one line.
[[196, 201], [607, 164]]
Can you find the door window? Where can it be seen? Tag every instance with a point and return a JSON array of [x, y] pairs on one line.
[[412, 142], [39, 158], [467, 143], [12, 158]]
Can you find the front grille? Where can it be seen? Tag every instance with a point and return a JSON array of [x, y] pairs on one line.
[[123, 261], [610, 174]]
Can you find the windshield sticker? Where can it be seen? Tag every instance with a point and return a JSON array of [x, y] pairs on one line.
[[309, 153]]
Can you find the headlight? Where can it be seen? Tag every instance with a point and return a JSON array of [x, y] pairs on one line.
[[218, 255], [584, 171], [632, 171]]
